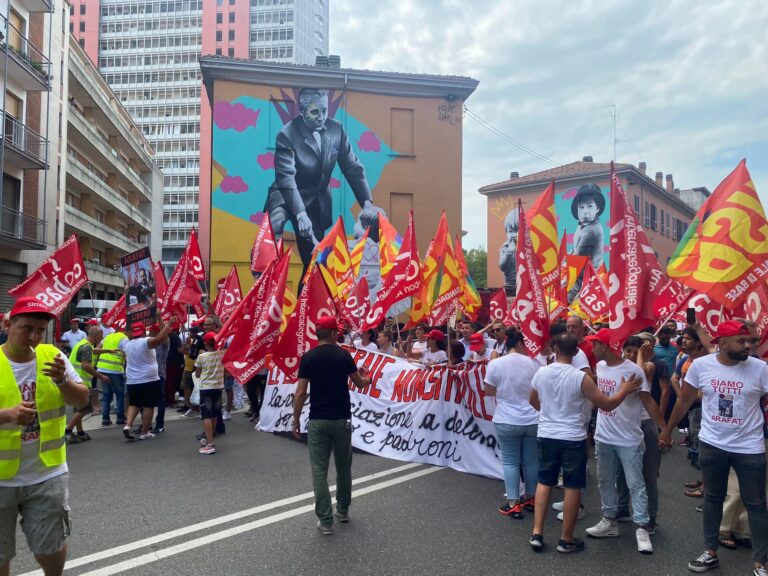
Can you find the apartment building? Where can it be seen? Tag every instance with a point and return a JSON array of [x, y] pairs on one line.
[[114, 188], [148, 53], [32, 33]]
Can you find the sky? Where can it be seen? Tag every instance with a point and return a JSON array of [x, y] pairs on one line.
[[689, 80]]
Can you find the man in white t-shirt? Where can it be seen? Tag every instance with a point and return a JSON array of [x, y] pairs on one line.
[[558, 394], [480, 352], [731, 384], [36, 381], [74, 334], [619, 442], [142, 376]]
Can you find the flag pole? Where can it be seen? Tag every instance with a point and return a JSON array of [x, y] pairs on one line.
[[674, 311]]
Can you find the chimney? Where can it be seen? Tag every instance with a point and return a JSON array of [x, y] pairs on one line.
[[676, 191], [643, 167], [513, 175], [334, 61], [660, 178], [587, 159], [670, 183], [321, 61]]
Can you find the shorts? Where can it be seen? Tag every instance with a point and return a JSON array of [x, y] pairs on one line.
[[210, 403], [44, 510], [569, 455], [229, 382], [145, 395], [186, 381]]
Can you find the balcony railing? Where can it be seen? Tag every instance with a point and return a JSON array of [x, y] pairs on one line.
[[23, 140], [18, 47], [22, 230]]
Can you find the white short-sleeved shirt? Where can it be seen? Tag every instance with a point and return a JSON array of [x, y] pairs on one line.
[[512, 375], [31, 468], [370, 346], [419, 347], [620, 426], [731, 418], [561, 416], [437, 357], [579, 361], [140, 361], [73, 338]]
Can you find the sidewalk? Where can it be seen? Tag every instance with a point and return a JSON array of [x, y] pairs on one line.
[[93, 421]]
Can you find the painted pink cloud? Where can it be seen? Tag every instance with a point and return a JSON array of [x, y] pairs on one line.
[[234, 185], [266, 161], [369, 142], [570, 193], [236, 116], [257, 218], [334, 183], [569, 238]]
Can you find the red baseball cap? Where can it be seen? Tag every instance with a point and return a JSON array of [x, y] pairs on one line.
[[74, 321], [155, 327], [476, 342], [29, 305], [92, 322], [138, 329], [327, 323], [435, 334], [603, 336], [208, 336], [729, 328]]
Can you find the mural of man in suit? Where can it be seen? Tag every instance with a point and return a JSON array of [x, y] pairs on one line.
[[307, 150]]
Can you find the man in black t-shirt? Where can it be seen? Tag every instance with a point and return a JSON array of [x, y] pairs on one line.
[[328, 368]]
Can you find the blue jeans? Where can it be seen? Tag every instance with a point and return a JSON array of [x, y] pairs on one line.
[[116, 386], [609, 458], [518, 447], [160, 417]]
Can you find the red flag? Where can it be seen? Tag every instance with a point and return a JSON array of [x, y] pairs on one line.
[[258, 292], [542, 224], [498, 305], [404, 279], [299, 336], [449, 287], [531, 306], [709, 313], [264, 250], [628, 276], [161, 287], [561, 287], [670, 299], [115, 314], [57, 279], [229, 296], [593, 298], [192, 253], [357, 304], [259, 331]]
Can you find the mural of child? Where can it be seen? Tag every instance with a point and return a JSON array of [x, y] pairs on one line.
[[507, 252], [587, 206]]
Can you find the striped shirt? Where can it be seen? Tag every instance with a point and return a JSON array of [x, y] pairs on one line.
[[211, 370]]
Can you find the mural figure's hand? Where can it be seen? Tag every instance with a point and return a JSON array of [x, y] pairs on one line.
[[305, 224]]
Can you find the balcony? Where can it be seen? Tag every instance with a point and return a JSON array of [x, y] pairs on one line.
[[99, 274], [84, 224], [37, 5], [21, 230], [97, 143], [90, 183], [24, 148], [21, 60]]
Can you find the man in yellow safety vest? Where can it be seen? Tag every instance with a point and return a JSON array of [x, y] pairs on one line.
[[111, 363], [36, 381], [81, 358]]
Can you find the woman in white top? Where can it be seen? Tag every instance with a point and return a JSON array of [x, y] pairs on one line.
[[367, 340], [509, 379], [435, 352], [420, 345]]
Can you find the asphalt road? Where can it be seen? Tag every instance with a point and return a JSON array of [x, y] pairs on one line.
[[137, 509]]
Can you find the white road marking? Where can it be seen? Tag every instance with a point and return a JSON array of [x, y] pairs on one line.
[[143, 543], [163, 553]]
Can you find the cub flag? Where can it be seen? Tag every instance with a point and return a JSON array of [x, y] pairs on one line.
[[264, 250], [498, 305], [542, 223], [593, 297], [229, 296]]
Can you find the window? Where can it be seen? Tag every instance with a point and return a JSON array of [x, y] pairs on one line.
[[81, 41], [654, 222], [231, 52], [401, 125], [662, 222], [231, 17], [218, 35], [72, 9], [219, 18], [82, 9], [218, 51], [231, 35], [82, 26], [637, 205], [647, 214]]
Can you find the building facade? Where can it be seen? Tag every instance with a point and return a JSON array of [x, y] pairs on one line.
[[148, 53], [112, 182], [32, 61], [395, 139], [663, 211]]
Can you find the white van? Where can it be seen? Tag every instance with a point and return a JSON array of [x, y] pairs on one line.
[[87, 309]]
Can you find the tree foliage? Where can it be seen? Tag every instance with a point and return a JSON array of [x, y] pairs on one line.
[[477, 263]]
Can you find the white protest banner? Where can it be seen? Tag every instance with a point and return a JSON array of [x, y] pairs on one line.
[[436, 415]]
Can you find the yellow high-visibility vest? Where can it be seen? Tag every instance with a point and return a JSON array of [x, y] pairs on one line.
[[50, 413], [109, 361], [78, 365]]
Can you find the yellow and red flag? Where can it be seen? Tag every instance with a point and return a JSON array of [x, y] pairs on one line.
[[542, 224], [356, 256], [449, 287], [469, 299], [421, 302], [389, 246], [332, 258], [724, 252]]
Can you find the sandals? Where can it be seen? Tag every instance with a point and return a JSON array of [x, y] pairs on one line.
[[726, 542], [693, 484], [695, 493]]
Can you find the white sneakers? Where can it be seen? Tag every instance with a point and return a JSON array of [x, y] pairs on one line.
[[604, 529], [580, 515], [225, 415], [644, 545]]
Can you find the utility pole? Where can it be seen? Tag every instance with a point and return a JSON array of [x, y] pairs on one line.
[[614, 114]]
